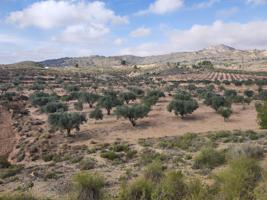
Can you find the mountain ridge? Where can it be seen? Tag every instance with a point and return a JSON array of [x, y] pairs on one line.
[[220, 55]]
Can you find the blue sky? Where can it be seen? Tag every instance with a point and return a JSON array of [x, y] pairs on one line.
[[43, 29]]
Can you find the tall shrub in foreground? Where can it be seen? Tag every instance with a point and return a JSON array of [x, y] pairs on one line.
[[239, 180], [88, 186], [262, 114]]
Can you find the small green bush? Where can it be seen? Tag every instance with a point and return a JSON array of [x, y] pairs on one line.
[[87, 163], [4, 162], [239, 179], [260, 191], [78, 106], [11, 171], [262, 115], [111, 155], [154, 172], [247, 150], [149, 155], [171, 187], [140, 189], [209, 158], [88, 186], [198, 191]]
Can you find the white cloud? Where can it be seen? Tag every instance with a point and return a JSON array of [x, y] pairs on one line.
[[227, 12], [52, 14], [146, 49], [140, 32], [161, 7], [82, 33], [10, 39], [118, 41], [257, 2], [249, 35], [205, 4]]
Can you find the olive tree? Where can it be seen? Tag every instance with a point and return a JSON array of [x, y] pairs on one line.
[[89, 98], [96, 114], [225, 112], [4, 88], [66, 121], [136, 90], [182, 104], [218, 101], [230, 94], [249, 93], [182, 107], [72, 88], [132, 113], [41, 98], [108, 102], [127, 96], [78, 106], [52, 107], [152, 97]]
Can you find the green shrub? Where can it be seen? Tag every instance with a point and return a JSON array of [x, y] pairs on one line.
[[197, 191], [188, 141], [51, 175], [47, 157], [11, 171], [149, 155], [225, 112], [130, 154], [247, 150], [262, 115], [52, 107], [154, 172], [111, 155], [260, 191], [87, 163], [88, 186], [172, 187], [4, 162], [96, 114], [78, 106], [140, 189], [41, 98], [119, 147], [208, 158], [239, 179]]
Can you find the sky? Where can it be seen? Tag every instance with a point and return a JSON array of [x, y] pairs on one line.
[[46, 29]]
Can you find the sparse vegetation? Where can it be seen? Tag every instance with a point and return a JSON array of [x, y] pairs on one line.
[[161, 158]]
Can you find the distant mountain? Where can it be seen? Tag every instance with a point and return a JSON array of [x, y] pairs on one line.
[[24, 64], [220, 55]]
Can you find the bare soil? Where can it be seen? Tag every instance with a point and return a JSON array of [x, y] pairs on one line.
[[161, 123], [7, 134]]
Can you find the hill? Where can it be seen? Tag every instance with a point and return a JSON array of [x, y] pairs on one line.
[[221, 56]]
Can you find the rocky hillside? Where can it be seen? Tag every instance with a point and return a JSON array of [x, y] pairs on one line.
[[220, 55]]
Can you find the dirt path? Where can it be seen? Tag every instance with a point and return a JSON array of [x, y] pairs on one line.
[[7, 134]]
